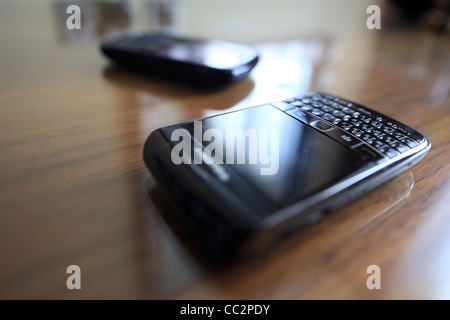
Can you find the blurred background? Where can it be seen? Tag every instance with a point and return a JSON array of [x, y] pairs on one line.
[[304, 44], [248, 21], [73, 187]]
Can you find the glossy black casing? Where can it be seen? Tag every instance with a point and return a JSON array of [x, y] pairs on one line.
[[232, 208], [198, 62]]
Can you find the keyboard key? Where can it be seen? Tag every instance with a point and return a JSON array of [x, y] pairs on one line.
[[399, 146], [367, 137], [398, 135], [327, 102], [388, 130], [389, 151], [366, 128], [387, 139], [346, 126], [337, 106], [411, 133], [348, 111], [317, 112], [337, 121], [377, 144], [376, 124], [408, 141], [327, 109], [353, 121], [328, 117], [377, 133], [346, 118], [357, 132], [306, 108], [338, 114], [361, 117]]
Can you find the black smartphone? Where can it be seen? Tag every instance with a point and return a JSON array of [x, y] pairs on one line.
[[198, 62], [242, 180]]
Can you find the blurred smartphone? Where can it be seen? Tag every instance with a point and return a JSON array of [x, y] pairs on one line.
[[192, 61], [242, 180]]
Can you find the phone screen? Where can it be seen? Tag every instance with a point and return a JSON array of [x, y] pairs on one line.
[[283, 158]]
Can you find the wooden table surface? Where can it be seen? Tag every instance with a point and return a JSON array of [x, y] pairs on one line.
[[74, 189]]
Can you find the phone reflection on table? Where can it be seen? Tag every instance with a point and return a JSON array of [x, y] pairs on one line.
[[307, 247]]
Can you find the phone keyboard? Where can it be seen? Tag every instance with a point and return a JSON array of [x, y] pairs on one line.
[[360, 128]]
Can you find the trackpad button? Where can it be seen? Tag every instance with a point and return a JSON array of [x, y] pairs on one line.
[[322, 125]]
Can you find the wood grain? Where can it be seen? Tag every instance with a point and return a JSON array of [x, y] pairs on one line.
[[74, 190]]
